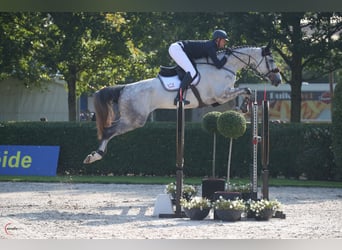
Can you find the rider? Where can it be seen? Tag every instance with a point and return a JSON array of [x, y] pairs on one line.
[[184, 53]]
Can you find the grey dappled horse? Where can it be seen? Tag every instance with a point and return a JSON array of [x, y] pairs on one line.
[[123, 108]]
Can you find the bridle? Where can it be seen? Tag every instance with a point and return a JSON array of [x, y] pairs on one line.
[[265, 52]]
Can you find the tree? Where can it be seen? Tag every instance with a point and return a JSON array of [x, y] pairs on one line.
[[85, 48], [79, 45], [308, 43], [21, 36]]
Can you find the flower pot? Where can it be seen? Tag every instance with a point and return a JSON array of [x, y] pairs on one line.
[[226, 195], [264, 215], [228, 214], [196, 213]]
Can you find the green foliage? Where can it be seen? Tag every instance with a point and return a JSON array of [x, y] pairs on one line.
[[337, 128], [209, 122], [231, 124], [305, 41], [317, 142]]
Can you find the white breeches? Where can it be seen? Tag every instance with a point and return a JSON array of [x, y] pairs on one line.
[[178, 55]]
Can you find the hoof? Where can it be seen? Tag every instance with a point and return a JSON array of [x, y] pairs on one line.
[[244, 105], [248, 91], [92, 157]]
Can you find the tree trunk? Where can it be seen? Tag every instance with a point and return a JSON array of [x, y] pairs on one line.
[[296, 94], [229, 161], [71, 81], [214, 156], [296, 68]]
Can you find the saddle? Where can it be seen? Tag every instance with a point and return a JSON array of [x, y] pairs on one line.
[[172, 71], [171, 77]]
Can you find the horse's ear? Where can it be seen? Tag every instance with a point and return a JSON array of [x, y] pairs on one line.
[[266, 49], [269, 45]]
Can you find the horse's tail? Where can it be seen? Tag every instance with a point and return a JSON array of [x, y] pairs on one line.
[[104, 112]]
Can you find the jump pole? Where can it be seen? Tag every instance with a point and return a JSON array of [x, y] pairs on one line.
[[179, 159], [179, 156], [255, 141], [264, 140], [265, 151]]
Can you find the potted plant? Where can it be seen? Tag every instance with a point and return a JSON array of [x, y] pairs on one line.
[[212, 184], [229, 210], [262, 209], [231, 124], [187, 193], [196, 208], [209, 124]]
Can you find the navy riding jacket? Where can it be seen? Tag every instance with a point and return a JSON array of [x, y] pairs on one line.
[[199, 49]]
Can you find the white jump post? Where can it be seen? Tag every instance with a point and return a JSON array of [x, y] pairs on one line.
[[255, 141]]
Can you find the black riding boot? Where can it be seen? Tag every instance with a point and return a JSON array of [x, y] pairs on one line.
[[187, 79]]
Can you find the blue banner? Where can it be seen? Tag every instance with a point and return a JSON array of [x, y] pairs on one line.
[[28, 160]]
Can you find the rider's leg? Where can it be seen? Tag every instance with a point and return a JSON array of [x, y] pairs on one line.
[[178, 55], [184, 85]]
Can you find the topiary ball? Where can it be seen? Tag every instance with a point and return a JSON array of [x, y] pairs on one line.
[[231, 124], [209, 122]]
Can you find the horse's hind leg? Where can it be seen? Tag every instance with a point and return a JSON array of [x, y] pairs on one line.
[[98, 154], [109, 133]]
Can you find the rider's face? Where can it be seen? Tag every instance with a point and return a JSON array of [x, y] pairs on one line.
[[221, 43]]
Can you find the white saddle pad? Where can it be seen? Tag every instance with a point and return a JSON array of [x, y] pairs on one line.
[[172, 83]]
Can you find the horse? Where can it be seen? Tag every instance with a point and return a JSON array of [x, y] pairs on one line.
[[123, 108]]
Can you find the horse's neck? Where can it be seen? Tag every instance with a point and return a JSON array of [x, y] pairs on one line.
[[243, 58], [239, 59]]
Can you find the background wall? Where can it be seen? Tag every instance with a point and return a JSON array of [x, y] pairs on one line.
[[19, 103]]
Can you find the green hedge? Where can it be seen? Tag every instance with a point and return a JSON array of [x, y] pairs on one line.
[[151, 150], [337, 127]]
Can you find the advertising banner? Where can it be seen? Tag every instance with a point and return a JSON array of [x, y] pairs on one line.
[[315, 101], [28, 160]]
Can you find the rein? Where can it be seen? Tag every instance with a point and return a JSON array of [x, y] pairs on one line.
[[249, 65], [224, 68]]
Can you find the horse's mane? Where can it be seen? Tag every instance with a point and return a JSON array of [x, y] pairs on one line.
[[237, 48], [227, 51], [244, 46]]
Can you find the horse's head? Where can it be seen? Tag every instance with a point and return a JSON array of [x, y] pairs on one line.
[[267, 66]]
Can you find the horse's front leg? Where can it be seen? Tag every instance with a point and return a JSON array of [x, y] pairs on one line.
[[232, 93], [245, 103]]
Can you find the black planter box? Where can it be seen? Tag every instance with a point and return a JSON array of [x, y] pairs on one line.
[[212, 185]]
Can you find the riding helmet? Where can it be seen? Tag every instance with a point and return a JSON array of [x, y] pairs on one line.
[[220, 34]]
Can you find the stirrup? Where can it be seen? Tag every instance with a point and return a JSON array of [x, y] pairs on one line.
[[186, 102]]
